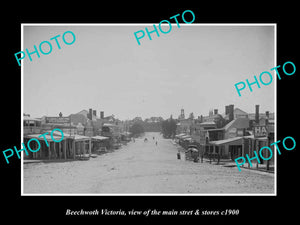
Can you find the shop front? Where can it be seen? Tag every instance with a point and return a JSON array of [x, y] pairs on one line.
[[71, 147], [230, 148]]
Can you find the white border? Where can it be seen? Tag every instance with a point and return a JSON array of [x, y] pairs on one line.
[[151, 24]]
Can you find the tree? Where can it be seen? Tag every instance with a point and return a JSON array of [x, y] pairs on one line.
[[137, 128], [191, 116], [169, 127]]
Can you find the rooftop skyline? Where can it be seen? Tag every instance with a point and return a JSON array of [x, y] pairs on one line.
[[187, 114]]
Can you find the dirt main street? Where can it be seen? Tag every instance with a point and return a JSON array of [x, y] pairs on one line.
[[142, 168]]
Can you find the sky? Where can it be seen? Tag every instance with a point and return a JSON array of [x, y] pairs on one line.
[[193, 67]]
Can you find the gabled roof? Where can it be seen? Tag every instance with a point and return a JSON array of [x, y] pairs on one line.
[[235, 111], [237, 123], [228, 124], [239, 111], [83, 112]]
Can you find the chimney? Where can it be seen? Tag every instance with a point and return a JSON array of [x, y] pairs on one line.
[[230, 112], [90, 114], [267, 114], [215, 111], [226, 109], [95, 113], [267, 117], [257, 114], [101, 114]]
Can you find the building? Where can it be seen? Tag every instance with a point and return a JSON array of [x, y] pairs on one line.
[[89, 129], [181, 116], [184, 126], [71, 147], [229, 135], [215, 117], [77, 118], [82, 134], [262, 135], [31, 125], [228, 141], [236, 128], [92, 124], [80, 129], [48, 123]]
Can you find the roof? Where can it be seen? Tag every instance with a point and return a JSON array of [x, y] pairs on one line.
[[228, 124], [225, 141], [48, 136], [28, 118], [100, 138], [79, 137], [239, 111], [58, 133], [83, 112], [180, 135], [187, 138], [184, 136], [108, 125], [208, 123]]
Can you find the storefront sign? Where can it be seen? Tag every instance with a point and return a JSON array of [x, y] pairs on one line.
[[57, 119], [260, 131]]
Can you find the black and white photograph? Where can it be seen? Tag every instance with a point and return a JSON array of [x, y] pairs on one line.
[[124, 113], [115, 113]]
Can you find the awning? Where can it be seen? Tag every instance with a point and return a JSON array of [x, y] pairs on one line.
[[58, 133], [79, 137], [36, 136], [57, 136], [258, 138], [180, 135], [100, 138], [185, 137], [225, 141], [188, 139]]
